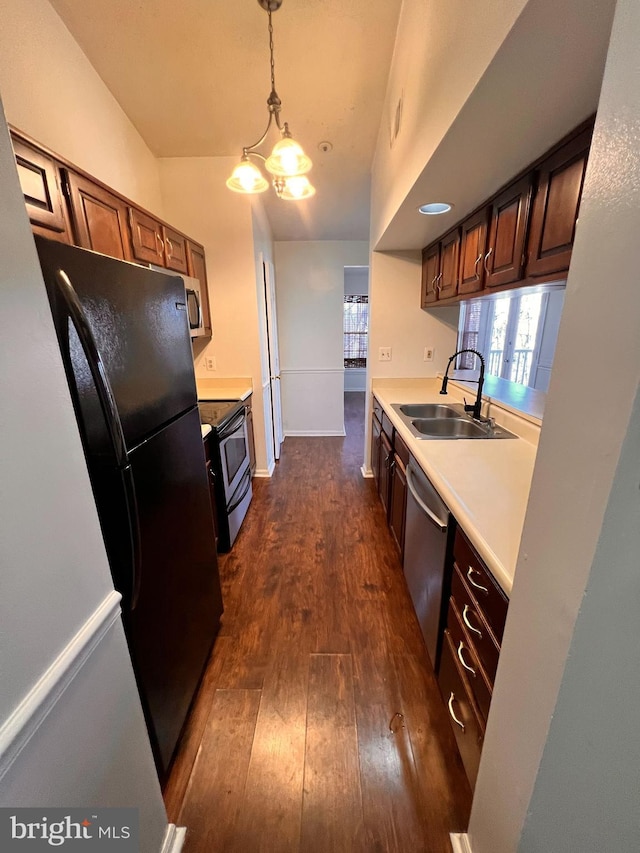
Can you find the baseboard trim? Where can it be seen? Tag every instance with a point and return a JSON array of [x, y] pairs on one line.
[[19, 728], [265, 472], [174, 837], [367, 473], [460, 842], [307, 433]]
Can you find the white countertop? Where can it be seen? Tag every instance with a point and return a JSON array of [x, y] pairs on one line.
[[485, 483]]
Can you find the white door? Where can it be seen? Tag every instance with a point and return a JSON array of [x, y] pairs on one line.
[[274, 356]]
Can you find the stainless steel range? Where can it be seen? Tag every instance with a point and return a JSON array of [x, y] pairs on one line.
[[230, 465]]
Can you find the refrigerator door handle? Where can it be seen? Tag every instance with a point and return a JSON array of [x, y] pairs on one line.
[[73, 305], [107, 401], [134, 535]]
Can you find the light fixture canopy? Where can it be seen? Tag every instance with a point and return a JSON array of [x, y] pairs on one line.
[[287, 163]]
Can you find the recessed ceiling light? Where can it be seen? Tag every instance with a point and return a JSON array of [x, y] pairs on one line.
[[434, 208]]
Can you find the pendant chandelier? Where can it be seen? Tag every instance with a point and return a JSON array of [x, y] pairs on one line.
[[287, 164]]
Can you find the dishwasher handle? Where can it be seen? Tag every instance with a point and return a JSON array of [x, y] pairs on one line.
[[442, 525]]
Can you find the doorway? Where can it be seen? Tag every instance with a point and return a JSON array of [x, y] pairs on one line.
[[355, 346]]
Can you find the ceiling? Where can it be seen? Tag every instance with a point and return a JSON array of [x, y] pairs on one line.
[[194, 78]]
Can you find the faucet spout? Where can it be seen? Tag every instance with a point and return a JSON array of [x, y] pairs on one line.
[[476, 408]]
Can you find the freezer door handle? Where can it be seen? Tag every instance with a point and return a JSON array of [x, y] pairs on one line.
[[442, 525], [77, 316], [134, 536]]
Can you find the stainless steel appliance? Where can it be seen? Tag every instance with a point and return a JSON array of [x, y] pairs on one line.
[[193, 300], [231, 465], [125, 345], [425, 547]]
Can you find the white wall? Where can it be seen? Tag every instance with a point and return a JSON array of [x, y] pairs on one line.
[[310, 291], [71, 725], [197, 201], [442, 49], [52, 92], [566, 690]]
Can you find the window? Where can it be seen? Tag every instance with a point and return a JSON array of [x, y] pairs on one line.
[[515, 334], [356, 328]]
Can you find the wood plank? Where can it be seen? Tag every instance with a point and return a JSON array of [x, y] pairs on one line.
[[217, 784], [272, 805], [332, 802]]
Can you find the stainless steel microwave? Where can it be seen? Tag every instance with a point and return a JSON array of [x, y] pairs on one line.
[[194, 306], [193, 300]]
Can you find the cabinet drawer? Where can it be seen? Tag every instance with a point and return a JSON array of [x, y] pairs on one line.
[[466, 724], [387, 426], [468, 659], [484, 643], [482, 585]]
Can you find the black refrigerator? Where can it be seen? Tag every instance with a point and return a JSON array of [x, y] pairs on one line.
[[124, 339]]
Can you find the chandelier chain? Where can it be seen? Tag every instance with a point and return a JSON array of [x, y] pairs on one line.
[[273, 65]]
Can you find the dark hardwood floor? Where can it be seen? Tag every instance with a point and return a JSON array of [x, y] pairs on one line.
[[318, 726]]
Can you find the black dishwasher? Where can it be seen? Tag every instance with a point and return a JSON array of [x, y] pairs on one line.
[[428, 525]]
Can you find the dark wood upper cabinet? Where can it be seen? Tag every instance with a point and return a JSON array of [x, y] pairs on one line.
[[40, 183], [197, 268], [175, 250], [440, 263], [447, 283], [99, 217], [155, 243], [504, 259], [473, 246], [430, 272], [555, 207], [146, 238]]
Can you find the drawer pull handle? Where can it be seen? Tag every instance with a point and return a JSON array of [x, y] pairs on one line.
[[453, 716], [463, 661], [475, 585], [465, 619]]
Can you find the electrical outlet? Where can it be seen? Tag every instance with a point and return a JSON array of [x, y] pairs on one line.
[[384, 354], [210, 362], [428, 353]]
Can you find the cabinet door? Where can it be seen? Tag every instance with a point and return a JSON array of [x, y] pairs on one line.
[[251, 440], [146, 238], [447, 284], [386, 457], [555, 208], [473, 246], [40, 184], [99, 217], [430, 273], [376, 432], [175, 250], [197, 268], [504, 260], [398, 502]]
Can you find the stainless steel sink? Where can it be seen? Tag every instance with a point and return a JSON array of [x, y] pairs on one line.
[[431, 410], [446, 421], [449, 428]]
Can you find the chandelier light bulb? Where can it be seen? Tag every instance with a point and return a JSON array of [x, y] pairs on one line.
[[296, 188], [288, 159], [247, 178]]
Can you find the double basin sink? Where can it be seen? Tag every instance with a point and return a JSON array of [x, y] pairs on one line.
[[450, 420]]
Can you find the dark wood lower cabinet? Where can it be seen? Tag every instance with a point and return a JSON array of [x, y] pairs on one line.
[[386, 458], [398, 492]]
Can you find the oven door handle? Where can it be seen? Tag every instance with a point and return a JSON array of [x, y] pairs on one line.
[[246, 476], [236, 423]]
